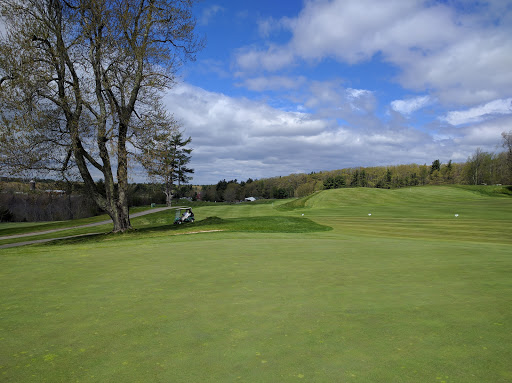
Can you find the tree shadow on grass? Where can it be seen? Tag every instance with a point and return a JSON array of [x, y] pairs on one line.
[[265, 224]]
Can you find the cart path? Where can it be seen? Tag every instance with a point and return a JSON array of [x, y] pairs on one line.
[[134, 215], [33, 242]]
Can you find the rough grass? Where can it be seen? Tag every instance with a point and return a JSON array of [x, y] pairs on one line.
[[386, 298], [492, 190]]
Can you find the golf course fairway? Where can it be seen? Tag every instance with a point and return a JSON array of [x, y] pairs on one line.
[[346, 285]]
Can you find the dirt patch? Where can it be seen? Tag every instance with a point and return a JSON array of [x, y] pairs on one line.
[[197, 232]]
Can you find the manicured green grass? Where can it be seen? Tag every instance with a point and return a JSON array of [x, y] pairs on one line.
[[13, 228], [161, 221], [419, 213], [384, 298]]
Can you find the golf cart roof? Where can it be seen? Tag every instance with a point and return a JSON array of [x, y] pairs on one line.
[[182, 207]]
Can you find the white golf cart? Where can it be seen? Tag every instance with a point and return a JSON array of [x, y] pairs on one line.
[[184, 214]]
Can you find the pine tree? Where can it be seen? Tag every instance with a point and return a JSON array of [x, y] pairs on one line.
[[436, 165], [166, 159]]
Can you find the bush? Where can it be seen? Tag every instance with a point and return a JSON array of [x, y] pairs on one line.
[[6, 215]]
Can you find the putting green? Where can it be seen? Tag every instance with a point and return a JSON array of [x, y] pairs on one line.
[[371, 300]]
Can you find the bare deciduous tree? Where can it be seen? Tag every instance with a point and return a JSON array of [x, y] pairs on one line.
[[507, 144], [80, 83]]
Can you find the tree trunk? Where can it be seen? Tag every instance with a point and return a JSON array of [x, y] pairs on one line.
[[122, 214], [168, 196], [121, 219]]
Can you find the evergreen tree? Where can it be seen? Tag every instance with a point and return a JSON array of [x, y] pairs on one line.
[[436, 165], [183, 158], [166, 159]]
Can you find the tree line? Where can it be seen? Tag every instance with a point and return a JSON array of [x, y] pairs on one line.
[[481, 168], [59, 200]]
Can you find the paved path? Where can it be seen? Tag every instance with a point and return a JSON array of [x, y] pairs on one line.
[[145, 212]]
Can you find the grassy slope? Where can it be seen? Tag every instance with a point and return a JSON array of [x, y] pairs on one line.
[[423, 212], [373, 305]]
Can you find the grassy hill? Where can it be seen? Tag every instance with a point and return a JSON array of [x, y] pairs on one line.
[[409, 294], [483, 214]]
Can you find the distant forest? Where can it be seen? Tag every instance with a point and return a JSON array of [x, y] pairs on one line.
[[482, 168], [47, 200]]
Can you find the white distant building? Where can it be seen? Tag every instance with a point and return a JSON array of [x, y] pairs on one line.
[[59, 192], [250, 199]]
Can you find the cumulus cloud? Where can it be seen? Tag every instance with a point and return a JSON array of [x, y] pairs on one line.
[[353, 31], [241, 138], [272, 58], [461, 57], [263, 83], [453, 55], [270, 25], [330, 99], [411, 105], [485, 135], [479, 113], [208, 13], [470, 71]]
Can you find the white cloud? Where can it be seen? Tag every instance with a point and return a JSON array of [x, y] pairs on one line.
[[270, 25], [479, 113], [208, 13], [266, 26], [331, 99], [353, 31], [461, 57], [411, 105], [357, 93], [273, 58], [260, 84], [474, 69], [239, 138], [485, 135]]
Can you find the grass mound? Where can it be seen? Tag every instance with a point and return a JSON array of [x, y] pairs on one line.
[[163, 227], [258, 224], [299, 203], [274, 225]]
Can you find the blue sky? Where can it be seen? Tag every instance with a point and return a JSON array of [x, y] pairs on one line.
[[287, 87]]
